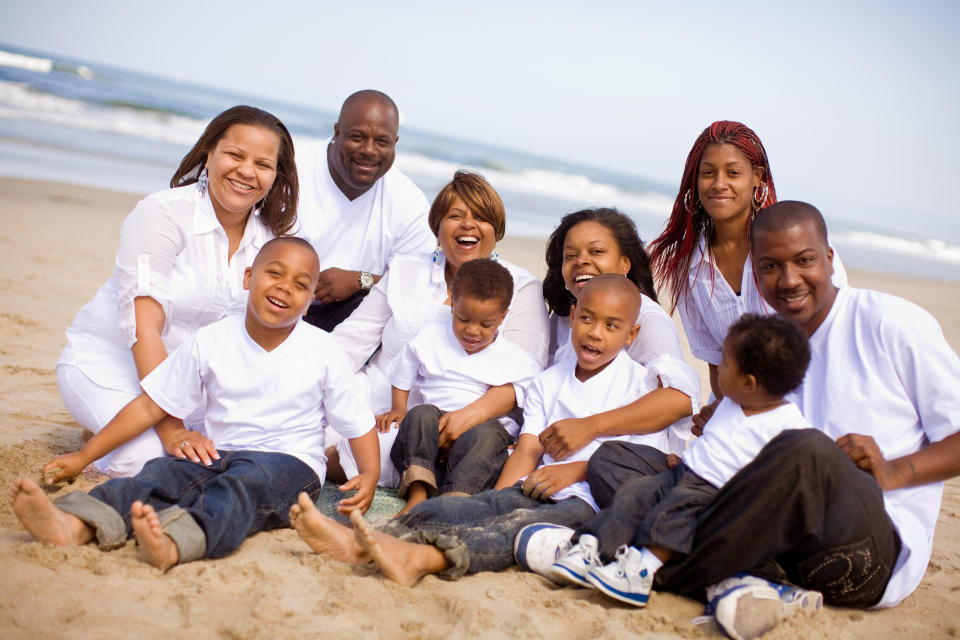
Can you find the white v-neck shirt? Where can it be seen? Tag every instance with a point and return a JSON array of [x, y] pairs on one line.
[[880, 366], [709, 306]]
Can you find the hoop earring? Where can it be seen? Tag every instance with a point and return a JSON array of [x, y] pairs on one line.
[[688, 202], [203, 180], [759, 198], [436, 255]]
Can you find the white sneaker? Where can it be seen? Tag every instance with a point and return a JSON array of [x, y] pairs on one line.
[[744, 607], [537, 546], [573, 566], [625, 579], [796, 599]]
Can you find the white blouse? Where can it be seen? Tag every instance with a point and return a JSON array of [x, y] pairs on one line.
[[412, 294], [172, 249], [709, 306]]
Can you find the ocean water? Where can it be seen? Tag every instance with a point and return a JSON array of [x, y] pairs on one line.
[[83, 123]]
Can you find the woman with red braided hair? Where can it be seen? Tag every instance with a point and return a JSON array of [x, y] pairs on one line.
[[703, 254]]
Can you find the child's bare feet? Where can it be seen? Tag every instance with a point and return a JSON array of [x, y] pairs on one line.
[[325, 535], [43, 520], [154, 546], [403, 562], [416, 493]]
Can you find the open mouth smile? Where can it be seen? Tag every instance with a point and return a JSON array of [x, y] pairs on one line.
[[467, 242], [277, 303]]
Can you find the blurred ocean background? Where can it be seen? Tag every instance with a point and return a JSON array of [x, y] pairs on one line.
[[72, 121]]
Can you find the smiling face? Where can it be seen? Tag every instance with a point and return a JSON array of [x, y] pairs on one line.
[[241, 168], [363, 145], [793, 267], [463, 236], [590, 249], [281, 284], [725, 182], [476, 321], [603, 321]]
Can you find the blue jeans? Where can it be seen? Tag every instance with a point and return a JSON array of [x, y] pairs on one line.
[[476, 533], [471, 465], [801, 511], [652, 510], [208, 511]]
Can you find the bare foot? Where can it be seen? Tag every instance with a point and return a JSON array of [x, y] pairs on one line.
[[325, 535], [416, 493], [403, 562], [154, 546], [43, 520]]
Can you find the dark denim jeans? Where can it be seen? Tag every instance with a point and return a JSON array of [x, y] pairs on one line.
[[327, 315], [242, 493], [801, 511], [472, 464], [656, 510], [476, 533]]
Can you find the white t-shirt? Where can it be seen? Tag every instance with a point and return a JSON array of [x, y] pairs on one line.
[[411, 295], [259, 400], [172, 249], [657, 337], [556, 394], [880, 366], [731, 439], [368, 232], [710, 306], [446, 376]]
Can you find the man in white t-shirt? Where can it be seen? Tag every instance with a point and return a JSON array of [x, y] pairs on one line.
[[848, 509], [356, 211]]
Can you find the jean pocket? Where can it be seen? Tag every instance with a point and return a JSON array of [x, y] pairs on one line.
[[854, 575]]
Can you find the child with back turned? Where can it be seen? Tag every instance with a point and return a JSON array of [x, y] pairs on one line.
[[266, 406], [454, 536], [619, 550], [463, 372]]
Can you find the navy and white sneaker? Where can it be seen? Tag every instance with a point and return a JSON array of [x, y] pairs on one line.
[[573, 566], [624, 579], [746, 606], [537, 546]]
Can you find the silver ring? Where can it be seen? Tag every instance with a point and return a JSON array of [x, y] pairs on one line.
[[184, 444]]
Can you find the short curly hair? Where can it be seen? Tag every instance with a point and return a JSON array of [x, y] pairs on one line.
[[483, 279], [477, 194], [770, 349]]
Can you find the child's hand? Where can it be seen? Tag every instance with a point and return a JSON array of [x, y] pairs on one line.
[[453, 425], [673, 460], [388, 419], [366, 486], [565, 437], [64, 467], [700, 419], [546, 481]]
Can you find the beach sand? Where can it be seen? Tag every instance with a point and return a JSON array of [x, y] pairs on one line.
[[57, 246]]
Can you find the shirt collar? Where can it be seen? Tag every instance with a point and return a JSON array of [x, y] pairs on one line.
[[205, 221]]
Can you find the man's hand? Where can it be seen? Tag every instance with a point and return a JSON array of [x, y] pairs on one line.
[[565, 437], [385, 420], [864, 452], [700, 419], [366, 486], [546, 481], [336, 284]]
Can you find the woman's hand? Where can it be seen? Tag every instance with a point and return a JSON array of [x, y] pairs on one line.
[[387, 420], [64, 467], [183, 443], [565, 437]]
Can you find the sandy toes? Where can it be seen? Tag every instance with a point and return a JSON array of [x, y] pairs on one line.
[[398, 560], [325, 535], [43, 520], [154, 546]]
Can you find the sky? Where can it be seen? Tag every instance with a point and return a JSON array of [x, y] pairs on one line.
[[857, 103]]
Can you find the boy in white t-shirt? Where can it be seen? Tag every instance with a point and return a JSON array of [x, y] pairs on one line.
[[463, 372], [453, 536], [265, 411], [654, 517]]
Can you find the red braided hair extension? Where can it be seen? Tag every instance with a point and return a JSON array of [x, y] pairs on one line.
[[671, 251]]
